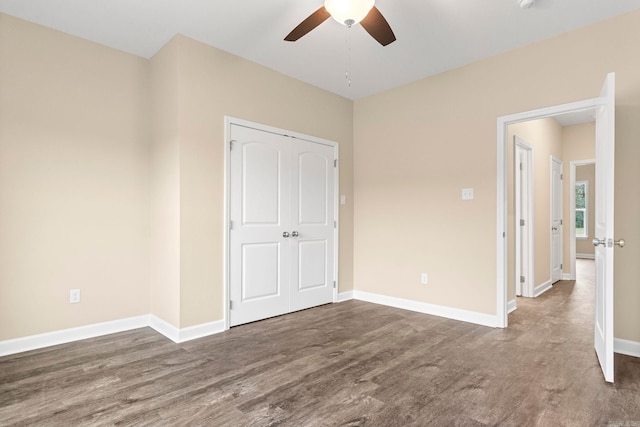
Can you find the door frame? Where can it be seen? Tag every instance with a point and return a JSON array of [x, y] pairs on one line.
[[528, 268], [572, 214], [553, 160], [228, 122], [502, 318]]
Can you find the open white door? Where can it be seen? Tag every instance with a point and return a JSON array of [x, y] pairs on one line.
[[523, 186], [556, 219], [603, 241]]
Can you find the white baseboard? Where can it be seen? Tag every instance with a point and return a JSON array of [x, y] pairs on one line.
[[511, 306], [34, 342], [541, 289], [345, 296], [64, 336], [586, 256], [630, 348], [426, 308], [185, 334], [165, 328], [201, 331], [567, 276]]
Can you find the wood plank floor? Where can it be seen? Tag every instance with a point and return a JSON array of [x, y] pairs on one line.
[[348, 364]]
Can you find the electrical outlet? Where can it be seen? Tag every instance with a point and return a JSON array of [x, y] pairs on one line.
[[424, 279], [74, 296]]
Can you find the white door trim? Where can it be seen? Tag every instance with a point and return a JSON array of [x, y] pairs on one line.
[[528, 268], [572, 213], [228, 121], [501, 216]]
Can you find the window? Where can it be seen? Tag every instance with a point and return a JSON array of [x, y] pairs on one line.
[[582, 214]]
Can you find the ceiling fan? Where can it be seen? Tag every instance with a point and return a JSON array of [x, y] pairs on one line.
[[348, 12]]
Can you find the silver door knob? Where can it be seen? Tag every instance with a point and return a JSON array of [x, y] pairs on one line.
[[597, 242], [285, 234], [620, 243], [294, 234]]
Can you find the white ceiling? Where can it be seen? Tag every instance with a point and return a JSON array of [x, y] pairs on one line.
[[576, 117], [432, 35]]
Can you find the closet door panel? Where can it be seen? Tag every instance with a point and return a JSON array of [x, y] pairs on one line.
[[260, 258]]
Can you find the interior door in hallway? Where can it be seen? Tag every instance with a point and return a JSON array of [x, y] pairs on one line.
[[556, 219], [523, 186], [282, 231]]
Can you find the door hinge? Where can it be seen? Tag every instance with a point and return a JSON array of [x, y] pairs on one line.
[[561, 266], [521, 279], [335, 163], [561, 176], [504, 234], [230, 305], [560, 222], [522, 222], [231, 144], [230, 225], [335, 224], [520, 166], [334, 284]]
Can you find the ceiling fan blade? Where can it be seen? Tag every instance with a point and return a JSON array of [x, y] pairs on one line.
[[378, 27], [312, 21]]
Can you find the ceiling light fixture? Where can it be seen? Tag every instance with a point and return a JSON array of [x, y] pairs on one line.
[[348, 12], [525, 4]]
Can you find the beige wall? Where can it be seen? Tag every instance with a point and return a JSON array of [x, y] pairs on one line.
[[211, 84], [165, 186], [79, 185], [545, 135], [578, 144], [416, 146], [588, 173], [111, 175], [73, 181]]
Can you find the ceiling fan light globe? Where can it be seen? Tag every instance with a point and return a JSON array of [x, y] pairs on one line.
[[526, 4], [348, 12]]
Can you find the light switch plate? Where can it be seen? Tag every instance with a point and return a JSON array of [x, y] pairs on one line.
[[467, 194], [74, 296]]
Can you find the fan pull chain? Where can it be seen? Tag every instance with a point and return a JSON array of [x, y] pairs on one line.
[[348, 59]]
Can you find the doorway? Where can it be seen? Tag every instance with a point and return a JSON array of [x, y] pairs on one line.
[[604, 109], [586, 108], [581, 239]]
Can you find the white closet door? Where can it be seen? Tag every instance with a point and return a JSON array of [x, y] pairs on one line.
[[259, 212], [312, 224], [282, 236]]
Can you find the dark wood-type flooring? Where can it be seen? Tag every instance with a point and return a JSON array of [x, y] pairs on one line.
[[347, 364]]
